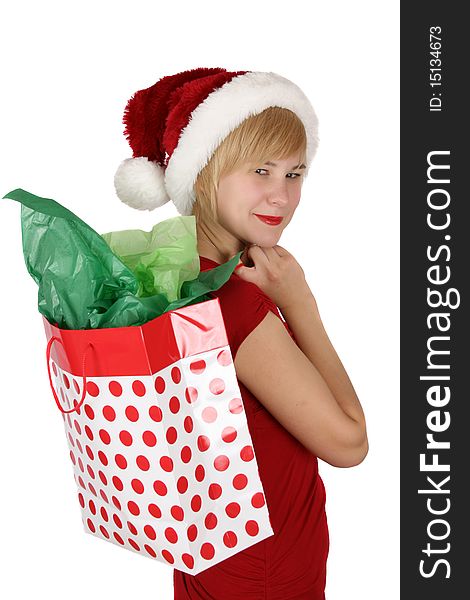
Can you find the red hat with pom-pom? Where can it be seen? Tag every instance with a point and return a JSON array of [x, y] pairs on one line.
[[174, 127]]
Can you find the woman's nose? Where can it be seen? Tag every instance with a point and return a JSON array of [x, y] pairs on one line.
[[279, 195]]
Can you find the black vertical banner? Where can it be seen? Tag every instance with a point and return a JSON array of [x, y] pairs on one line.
[[434, 260]]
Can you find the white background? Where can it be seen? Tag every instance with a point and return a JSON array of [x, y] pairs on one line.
[[68, 70]]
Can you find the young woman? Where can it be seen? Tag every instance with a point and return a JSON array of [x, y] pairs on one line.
[[235, 148]]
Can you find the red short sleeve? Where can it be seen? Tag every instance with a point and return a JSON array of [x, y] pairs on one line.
[[243, 306]]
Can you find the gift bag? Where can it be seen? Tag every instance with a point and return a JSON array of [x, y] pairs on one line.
[[155, 424]]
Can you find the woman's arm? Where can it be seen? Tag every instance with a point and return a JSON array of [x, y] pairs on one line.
[[304, 320]]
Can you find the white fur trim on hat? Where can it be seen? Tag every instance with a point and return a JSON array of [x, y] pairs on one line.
[[222, 112], [140, 183]]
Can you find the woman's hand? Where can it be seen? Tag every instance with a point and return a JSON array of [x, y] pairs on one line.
[[276, 272]]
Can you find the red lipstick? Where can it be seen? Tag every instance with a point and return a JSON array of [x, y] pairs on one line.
[[269, 219]]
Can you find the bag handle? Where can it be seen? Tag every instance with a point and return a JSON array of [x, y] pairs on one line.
[[48, 356]]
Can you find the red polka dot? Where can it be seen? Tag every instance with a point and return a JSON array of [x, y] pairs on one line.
[[132, 528], [142, 462], [115, 388], [168, 556], [66, 381], [76, 386], [177, 513], [191, 395], [137, 486], [117, 483], [210, 521], [166, 463], [246, 453], [54, 368], [132, 413], [103, 495], [188, 424], [138, 388], [159, 385], [224, 358], [91, 473], [235, 406], [118, 538], [103, 477], [240, 481], [258, 500], [89, 432], [155, 413], [150, 532], [149, 438], [207, 551], [109, 413], [104, 531], [81, 499], [230, 539], [117, 521], [121, 461], [103, 458], [221, 462], [92, 489], [252, 528], [188, 560], [80, 464], [182, 484], [104, 436], [79, 446], [186, 454], [133, 544], [171, 435], [197, 367], [203, 443], [215, 491], [81, 482], [217, 385], [171, 535], [154, 511], [209, 414], [196, 502], [125, 437], [69, 436], [199, 473], [116, 502], [150, 550], [160, 488], [104, 514], [174, 405], [92, 506], [192, 533], [77, 426], [91, 526], [133, 508], [232, 509], [92, 388], [176, 374], [90, 413], [229, 434]]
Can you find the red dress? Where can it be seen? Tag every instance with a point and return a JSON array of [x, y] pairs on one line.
[[291, 564]]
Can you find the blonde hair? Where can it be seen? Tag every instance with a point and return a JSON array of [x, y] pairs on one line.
[[275, 133]]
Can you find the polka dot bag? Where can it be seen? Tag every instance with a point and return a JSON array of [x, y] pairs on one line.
[[158, 437]]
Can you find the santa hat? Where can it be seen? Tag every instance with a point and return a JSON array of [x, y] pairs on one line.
[[174, 127]]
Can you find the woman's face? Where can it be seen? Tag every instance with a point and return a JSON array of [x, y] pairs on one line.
[[271, 190]]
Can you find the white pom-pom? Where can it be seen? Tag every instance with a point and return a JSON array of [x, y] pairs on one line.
[[140, 183]]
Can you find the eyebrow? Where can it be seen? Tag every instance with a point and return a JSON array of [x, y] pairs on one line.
[[272, 164]]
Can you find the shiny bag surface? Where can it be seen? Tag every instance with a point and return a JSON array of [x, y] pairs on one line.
[[158, 437]]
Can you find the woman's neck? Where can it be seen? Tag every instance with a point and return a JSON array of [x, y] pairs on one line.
[[219, 245]]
